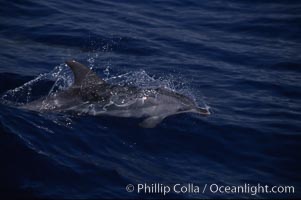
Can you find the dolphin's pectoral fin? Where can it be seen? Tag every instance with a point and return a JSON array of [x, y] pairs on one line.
[[151, 122], [83, 75]]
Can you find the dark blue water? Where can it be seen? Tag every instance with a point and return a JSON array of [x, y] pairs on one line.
[[241, 58]]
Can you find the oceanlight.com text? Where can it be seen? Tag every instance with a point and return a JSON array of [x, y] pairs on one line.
[[191, 188]]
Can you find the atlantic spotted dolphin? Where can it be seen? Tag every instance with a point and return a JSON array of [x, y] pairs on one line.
[[92, 95]]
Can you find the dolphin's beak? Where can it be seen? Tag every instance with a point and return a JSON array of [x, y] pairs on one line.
[[203, 111]]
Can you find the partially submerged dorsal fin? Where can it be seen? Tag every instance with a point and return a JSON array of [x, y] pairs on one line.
[[82, 74]]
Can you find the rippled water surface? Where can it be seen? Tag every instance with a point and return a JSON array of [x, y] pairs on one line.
[[240, 58]]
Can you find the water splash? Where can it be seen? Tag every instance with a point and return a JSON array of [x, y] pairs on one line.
[[19, 94], [140, 79], [59, 77]]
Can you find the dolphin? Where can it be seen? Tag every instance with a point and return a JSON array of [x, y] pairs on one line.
[[90, 94]]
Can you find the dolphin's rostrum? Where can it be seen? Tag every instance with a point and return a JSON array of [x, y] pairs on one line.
[[92, 95]]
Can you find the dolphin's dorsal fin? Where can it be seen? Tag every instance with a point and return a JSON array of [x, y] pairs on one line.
[[82, 74]]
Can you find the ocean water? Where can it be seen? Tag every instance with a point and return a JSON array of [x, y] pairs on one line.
[[240, 58]]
